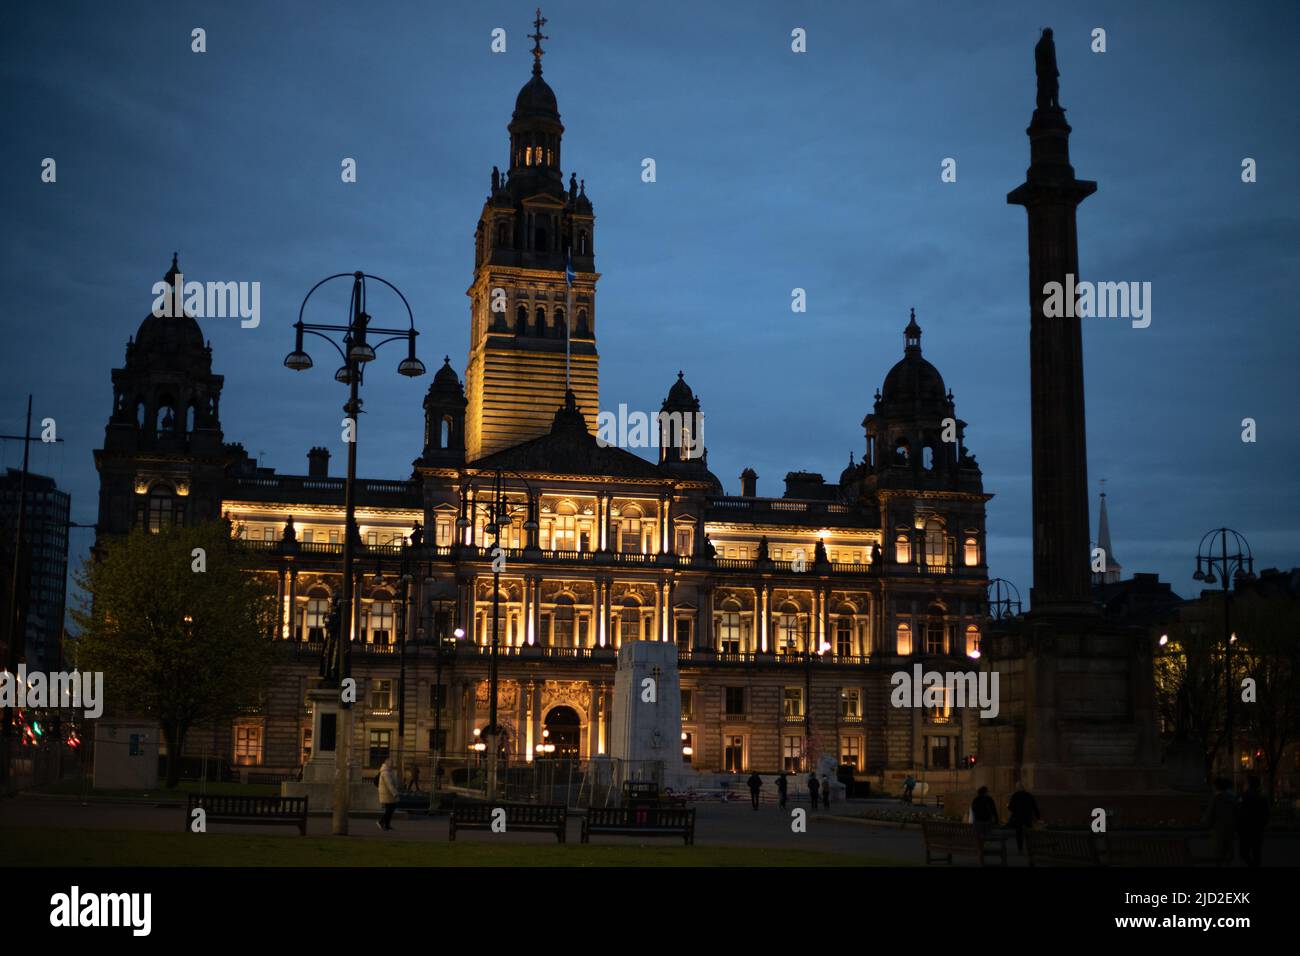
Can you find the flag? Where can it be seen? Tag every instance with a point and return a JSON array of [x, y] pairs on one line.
[[569, 274]]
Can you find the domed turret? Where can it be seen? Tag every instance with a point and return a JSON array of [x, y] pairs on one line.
[[914, 438], [168, 335], [913, 381], [444, 419]]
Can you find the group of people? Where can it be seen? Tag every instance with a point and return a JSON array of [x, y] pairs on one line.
[[818, 789], [1241, 818], [1229, 817]]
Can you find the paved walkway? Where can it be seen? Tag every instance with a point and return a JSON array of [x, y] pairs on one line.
[[716, 824]]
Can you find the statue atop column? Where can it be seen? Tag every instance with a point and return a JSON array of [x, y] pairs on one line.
[[1049, 86]]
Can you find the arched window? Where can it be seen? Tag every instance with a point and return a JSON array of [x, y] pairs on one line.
[[904, 638], [381, 620], [166, 420], [583, 329], [902, 450], [539, 321], [972, 640], [521, 320], [559, 323], [316, 618], [503, 234], [728, 624], [787, 629], [630, 531], [972, 553], [190, 415], [844, 635], [139, 413], [563, 632], [927, 458], [444, 432], [903, 549], [936, 544], [935, 643], [563, 531], [582, 242], [162, 509], [630, 620]]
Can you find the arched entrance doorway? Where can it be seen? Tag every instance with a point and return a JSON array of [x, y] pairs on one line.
[[565, 728]]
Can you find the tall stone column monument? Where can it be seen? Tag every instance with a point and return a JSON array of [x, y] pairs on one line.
[[1076, 723], [646, 729]]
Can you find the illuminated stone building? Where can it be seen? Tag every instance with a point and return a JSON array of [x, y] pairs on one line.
[[789, 613]]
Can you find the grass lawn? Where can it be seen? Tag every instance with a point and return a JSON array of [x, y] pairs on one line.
[[73, 788], [73, 848]]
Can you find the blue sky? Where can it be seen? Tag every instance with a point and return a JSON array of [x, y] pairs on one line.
[[775, 170]]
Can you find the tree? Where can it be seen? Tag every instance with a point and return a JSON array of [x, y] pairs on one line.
[[1268, 628], [1189, 681], [181, 645]]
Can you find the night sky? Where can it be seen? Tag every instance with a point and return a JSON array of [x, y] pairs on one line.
[[775, 170]]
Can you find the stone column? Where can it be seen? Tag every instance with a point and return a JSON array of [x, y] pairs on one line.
[[605, 609], [664, 528], [293, 602], [704, 619], [278, 631]]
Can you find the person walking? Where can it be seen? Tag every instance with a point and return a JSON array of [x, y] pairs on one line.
[[782, 784], [1022, 811], [909, 784], [1221, 819], [813, 787], [1252, 818], [389, 786], [755, 785], [983, 810], [826, 792]]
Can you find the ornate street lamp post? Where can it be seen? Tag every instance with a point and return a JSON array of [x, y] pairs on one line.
[[356, 352], [497, 510], [1236, 564]]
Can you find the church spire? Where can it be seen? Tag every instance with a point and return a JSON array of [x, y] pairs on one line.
[[1112, 567]]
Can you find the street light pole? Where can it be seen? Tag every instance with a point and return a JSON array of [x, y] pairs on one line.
[[1239, 563], [356, 353]]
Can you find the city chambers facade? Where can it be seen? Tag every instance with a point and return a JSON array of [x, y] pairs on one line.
[[789, 613]]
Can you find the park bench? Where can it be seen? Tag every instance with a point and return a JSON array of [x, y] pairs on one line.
[[1061, 848], [520, 817], [943, 838], [236, 809], [1127, 849], [640, 821]]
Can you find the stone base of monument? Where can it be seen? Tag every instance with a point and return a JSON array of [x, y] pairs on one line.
[[329, 720]]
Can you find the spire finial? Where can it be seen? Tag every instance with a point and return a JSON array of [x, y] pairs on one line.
[[912, 334], [537, 37]]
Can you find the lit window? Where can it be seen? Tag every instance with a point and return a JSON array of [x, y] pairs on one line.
[[902, 550], [851, 752], [904, 639], [850, 702], [972, 553], [792, 754], [728, 633], [972, 639], [381, 695], [248, 745], [936, 548], [792, 702], [381, 622]]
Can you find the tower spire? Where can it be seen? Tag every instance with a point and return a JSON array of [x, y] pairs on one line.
[[537, 37]]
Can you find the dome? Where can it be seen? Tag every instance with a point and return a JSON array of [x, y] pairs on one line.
[[680, 393], [165, 335], [446, 375], [536, 97], [913, 380]]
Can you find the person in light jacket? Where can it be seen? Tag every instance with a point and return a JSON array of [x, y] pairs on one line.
[[389, 786]]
